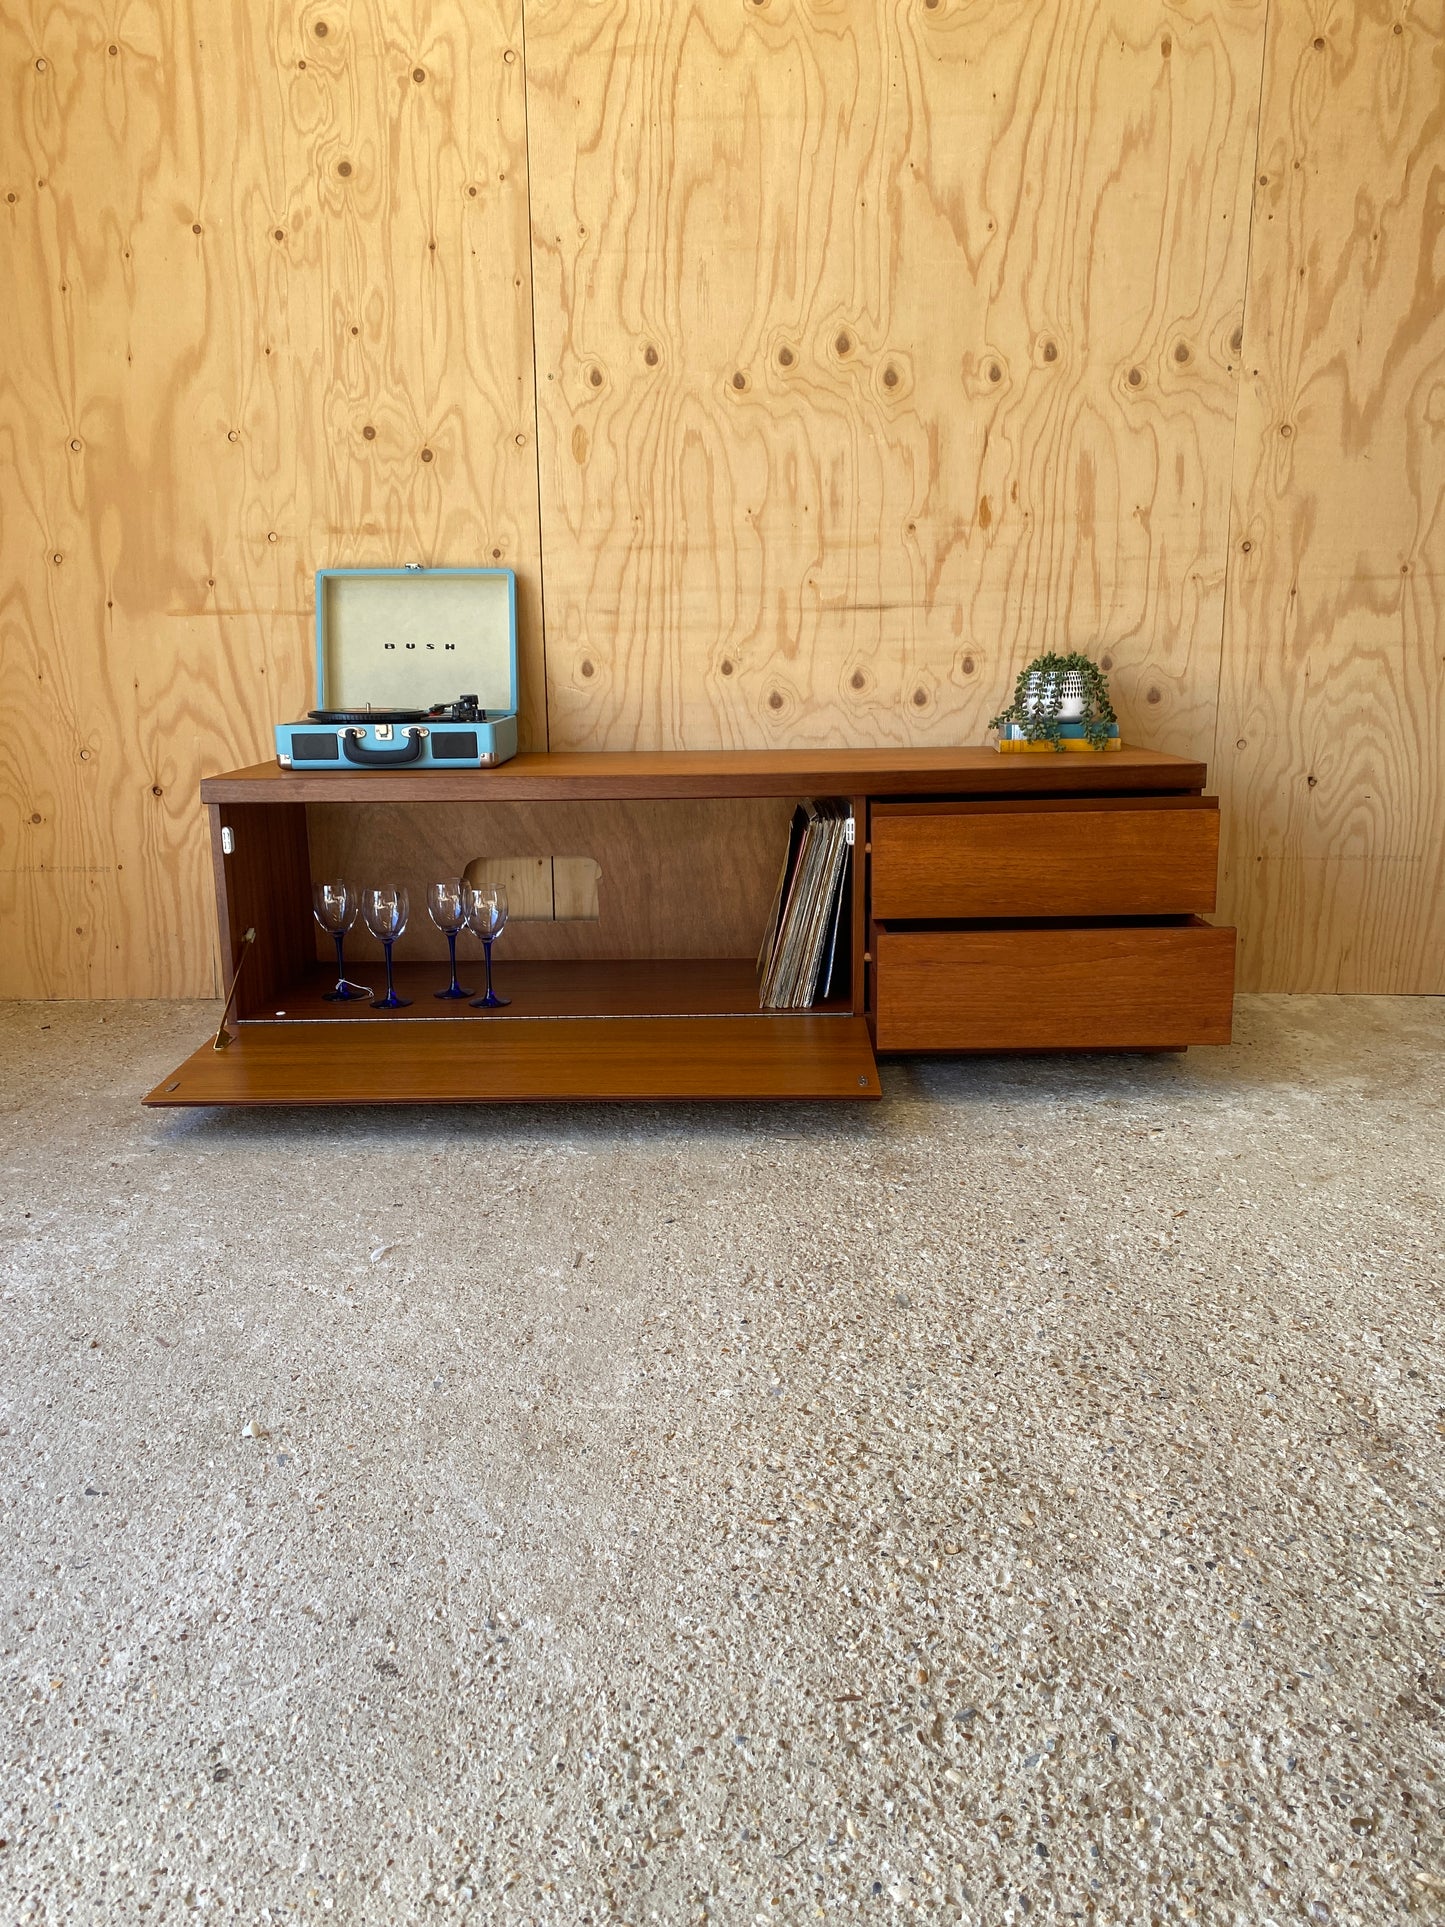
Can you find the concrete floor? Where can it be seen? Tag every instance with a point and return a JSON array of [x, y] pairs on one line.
[[1019, 1498]]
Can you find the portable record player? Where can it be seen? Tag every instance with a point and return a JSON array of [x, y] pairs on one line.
[[415, 669]]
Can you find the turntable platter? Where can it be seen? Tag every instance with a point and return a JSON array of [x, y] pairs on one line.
[[368, 716]]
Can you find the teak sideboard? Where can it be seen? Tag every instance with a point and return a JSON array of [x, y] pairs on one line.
[[996, 903]]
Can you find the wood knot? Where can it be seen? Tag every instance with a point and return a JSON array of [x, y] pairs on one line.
[[726, 666], [920, 698], [1051, 351], [1154, 696], [650, 355], [1181, 351], [968, 665], [995, 373], [594, 375], [843, 342], [426, 455], [775, 701], [587, 667], [785, 357], [740, 380], [344, 169], [1134, 377], [858, 680], [418, 74], [321, 30], [890, 376]]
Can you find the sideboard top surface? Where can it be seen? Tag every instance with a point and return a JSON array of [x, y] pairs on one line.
[[559, 776]]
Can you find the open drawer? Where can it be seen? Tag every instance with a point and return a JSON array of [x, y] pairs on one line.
[[1145, 984], [492, 1062]]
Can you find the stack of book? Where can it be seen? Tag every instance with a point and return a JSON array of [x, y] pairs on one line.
[[1012, 740], [804, 954]]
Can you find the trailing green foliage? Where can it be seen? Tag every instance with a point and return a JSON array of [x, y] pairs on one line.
[[1039, 696]]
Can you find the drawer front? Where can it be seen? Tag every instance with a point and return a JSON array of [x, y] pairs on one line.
[[1070, 988], [1063, 860]]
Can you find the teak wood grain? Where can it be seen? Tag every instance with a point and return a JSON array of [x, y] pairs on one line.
[[690, 878], [565, 776], [265, 885], [539, 990], [1104, 987], [1064, 860], [609, 1059]]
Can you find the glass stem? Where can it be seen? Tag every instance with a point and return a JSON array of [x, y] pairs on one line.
[[338, 939], [452, 947], [390, 987], [487, 946]]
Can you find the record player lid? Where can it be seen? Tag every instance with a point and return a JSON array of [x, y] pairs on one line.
[[396, 641]]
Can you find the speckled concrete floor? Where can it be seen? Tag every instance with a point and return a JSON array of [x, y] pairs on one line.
[[1019, 1498]]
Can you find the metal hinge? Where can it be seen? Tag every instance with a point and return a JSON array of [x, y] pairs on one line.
[[228, 840], [849, 833]]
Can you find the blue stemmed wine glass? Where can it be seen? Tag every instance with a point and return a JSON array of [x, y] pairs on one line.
[[335, 905], [446, 904], [385, 907], [487, 916]]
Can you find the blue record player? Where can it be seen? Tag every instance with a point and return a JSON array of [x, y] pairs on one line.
[[415, 669]]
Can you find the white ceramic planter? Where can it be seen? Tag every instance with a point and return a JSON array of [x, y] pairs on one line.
[[1038, 692]]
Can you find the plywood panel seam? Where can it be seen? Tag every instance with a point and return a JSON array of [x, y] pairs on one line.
[[536, 398], [1238, 391]]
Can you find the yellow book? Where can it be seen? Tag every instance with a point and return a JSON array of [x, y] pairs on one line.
[[1079, 743]]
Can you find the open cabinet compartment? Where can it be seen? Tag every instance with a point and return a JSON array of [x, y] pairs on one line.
[[580, 1024]]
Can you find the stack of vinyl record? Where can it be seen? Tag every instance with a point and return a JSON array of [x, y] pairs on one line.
[[804, 954]]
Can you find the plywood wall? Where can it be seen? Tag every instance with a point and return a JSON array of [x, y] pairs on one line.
[[878, 348], [271, 310], [1330, 752], [814, 363]]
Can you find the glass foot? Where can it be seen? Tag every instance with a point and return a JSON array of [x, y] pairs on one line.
[[393, 1002], [452, 990], [490, 1002]]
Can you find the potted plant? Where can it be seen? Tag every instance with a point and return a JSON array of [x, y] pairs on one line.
[[1058, 689]]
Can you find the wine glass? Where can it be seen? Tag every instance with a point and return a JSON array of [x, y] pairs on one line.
[[385, 907], [487, 916], [446, 904], [334, 905]]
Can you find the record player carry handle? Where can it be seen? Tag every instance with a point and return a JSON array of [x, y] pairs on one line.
[[355, 751]]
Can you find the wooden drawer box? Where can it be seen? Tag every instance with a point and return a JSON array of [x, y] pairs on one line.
[[1123, 986], [1134, 856]]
